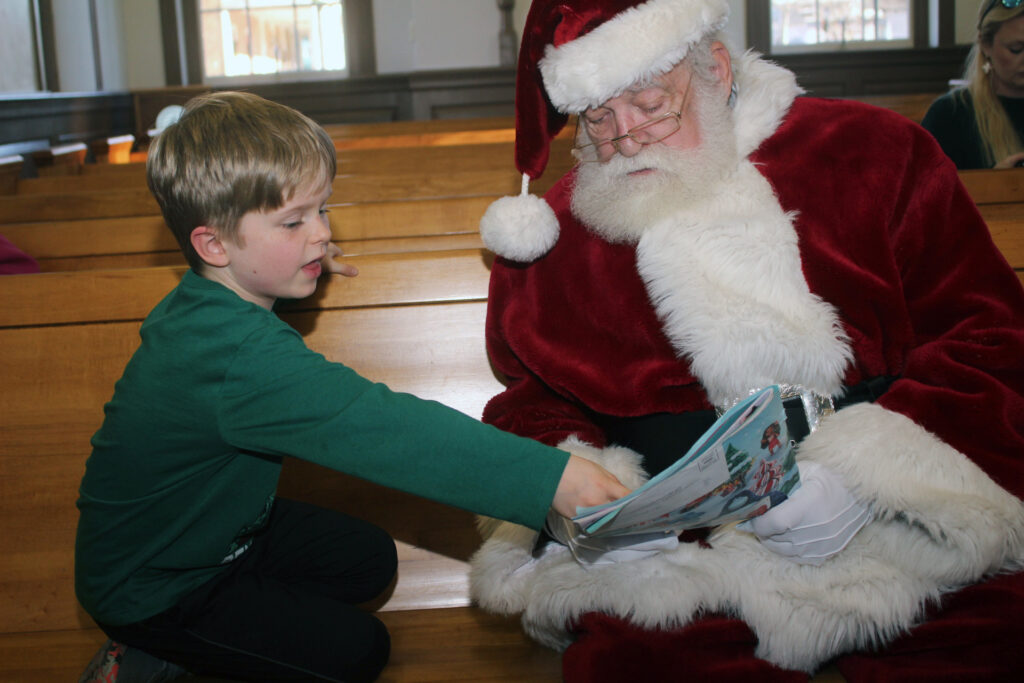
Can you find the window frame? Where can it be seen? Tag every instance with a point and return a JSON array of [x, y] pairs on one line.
[[282, 76], [182, 44], [923, 36], [926, 66]]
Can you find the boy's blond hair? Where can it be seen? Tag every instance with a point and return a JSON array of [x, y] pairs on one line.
[[231, 153]]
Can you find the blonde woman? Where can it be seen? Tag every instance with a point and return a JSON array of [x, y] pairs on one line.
[[981, 125]]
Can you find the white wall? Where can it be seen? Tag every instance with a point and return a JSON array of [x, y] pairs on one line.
[[411, 35], [111, 32], [76, 71], [424, 35], [18, 73], [141, 45], [966, 21]]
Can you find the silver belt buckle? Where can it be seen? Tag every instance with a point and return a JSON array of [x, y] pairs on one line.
[[816, 406]]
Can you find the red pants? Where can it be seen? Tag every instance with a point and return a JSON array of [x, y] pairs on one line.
[[976, 635]]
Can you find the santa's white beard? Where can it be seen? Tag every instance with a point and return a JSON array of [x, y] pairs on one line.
[[619, 206]]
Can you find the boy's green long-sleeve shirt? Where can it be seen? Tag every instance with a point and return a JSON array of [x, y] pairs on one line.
[[187, 461]]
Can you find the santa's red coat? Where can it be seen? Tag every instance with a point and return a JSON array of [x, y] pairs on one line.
[[886, 238]]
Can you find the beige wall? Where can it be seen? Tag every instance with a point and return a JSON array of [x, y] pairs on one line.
[[18, 73], [412, 35]]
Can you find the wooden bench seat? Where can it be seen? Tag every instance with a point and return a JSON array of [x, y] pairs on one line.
[[434, 645]]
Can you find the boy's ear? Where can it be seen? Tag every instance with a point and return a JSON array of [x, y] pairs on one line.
[[208, 245]]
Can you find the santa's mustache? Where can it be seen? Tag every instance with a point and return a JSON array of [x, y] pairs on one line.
[[649, 158]]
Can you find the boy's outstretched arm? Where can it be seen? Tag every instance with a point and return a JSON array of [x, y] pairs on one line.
[[584, 484]]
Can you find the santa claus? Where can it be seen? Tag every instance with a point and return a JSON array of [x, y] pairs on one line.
[[721, 234]]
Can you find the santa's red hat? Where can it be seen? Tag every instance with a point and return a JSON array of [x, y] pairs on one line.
[[577, 54]]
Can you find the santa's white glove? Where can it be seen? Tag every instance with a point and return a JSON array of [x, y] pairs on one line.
[[816, 522]]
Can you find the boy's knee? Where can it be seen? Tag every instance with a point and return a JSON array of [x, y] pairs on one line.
[[384, 556]]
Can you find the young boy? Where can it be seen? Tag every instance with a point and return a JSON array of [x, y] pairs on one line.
[[184, 556]]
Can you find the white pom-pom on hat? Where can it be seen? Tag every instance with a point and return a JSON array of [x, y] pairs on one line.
[[521, 228]]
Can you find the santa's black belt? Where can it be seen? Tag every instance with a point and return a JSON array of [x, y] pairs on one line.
[[661, 438]]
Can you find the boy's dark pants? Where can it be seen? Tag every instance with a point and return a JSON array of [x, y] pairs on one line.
[[284, 610]]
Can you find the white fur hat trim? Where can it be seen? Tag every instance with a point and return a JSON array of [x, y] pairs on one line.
[[643, 41]]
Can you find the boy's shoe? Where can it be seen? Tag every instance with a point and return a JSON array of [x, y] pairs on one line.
[[117, 663]]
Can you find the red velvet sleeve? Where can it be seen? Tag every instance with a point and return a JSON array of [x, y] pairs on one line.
[[963, 374], [527, 407], [889, 235]]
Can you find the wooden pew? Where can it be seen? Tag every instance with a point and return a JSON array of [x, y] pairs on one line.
[[71, 243], [913, 106], [389, 175], [414, 321], [10, 171], [353, 142], [988, 186], [133, 242], [459, 159], [60, 160], [116, 149], [470, 173]]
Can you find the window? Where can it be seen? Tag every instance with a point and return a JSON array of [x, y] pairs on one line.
[[256, 39], [807, 25]]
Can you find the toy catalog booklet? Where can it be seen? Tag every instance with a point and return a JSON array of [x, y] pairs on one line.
[[742, 466]]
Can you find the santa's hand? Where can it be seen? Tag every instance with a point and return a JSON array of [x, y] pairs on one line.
[[332, 267], [816, 522]]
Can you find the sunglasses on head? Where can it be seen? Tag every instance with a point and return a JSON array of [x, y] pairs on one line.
[[1008, 4]]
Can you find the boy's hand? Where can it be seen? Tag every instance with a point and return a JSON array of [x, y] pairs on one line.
[[332, 267], [584, 484]]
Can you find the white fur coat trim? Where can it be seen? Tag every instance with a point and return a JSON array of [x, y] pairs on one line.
[[735, 250], [940, 523], [765, 92], [643, 41], [970, 525], [725, 277]]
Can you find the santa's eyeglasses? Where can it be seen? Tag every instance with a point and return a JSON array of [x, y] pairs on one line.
[[647, 133], [1008, 4]]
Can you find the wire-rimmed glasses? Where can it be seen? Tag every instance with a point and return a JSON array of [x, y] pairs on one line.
[[647, 133]]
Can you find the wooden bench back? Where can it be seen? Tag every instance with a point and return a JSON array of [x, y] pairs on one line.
[[987, 186], [395, 160], [447, 177], [134, 242], [439, 180]]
